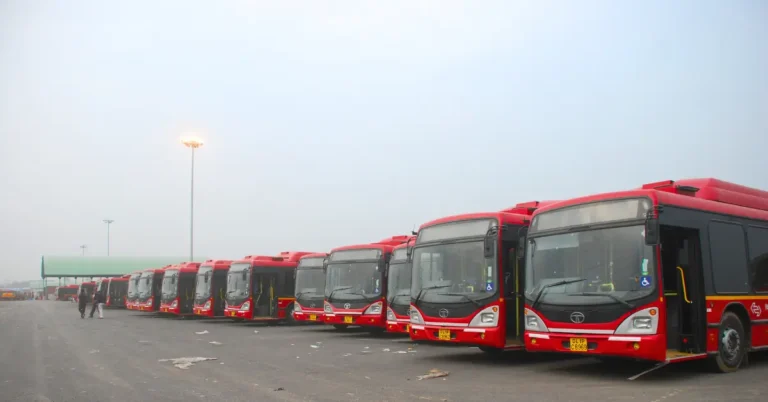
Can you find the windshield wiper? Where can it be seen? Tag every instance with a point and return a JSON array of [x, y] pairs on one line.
[[418, 296], [362, 294], [400, 293], [624, 302], [330, 296], [477, 303], [545, 287]]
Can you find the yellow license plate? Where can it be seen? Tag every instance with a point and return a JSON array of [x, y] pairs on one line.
[[348, 320], [313, 317], [444, 334], [232, 314], [407, 327], [578, 345]]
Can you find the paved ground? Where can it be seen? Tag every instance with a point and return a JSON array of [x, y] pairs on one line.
[[48, 353]]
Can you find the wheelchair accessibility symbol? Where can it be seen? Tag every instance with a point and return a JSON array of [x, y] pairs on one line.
[[645, 281]]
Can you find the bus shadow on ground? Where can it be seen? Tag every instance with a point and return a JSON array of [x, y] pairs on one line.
[[471, 355]]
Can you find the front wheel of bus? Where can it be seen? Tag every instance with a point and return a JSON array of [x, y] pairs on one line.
[[732, 344]]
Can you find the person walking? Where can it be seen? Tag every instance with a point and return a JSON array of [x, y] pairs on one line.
[[98, 303], [82, 301]]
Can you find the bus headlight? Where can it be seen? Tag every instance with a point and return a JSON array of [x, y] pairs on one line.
[[374, 308], [533, 322], [487, 317], [207, 305], [391, 315], [245, 306], [416, 317], [296, 308], [327, 308], [175, 304], [642, 322]]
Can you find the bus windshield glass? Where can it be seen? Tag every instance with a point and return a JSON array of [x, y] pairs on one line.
[[310, 282], [453, 273], [238, 283], [170, 285], [399, 282], [353, 281], [203, 284], [614, 263], [145, 285], [133, 286]]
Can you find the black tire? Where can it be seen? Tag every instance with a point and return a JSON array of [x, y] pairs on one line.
[[340, 327], [732, 344]]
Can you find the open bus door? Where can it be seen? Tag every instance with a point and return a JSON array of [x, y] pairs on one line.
[[266, 289]]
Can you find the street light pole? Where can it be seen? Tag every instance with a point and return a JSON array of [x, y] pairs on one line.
[[83, 247], [108, 222], [193, 143]]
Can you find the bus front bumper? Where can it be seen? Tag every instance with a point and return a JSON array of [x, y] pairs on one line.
[[362, 320], [492, 337], [309, 316], [644, 347]]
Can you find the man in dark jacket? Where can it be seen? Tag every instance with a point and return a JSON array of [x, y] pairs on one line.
[[82, 301], [98, 302]]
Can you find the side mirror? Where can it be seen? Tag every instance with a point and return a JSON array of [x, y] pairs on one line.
[[173, 280], [652, 235], [245, 274], [325, 264], [207, 276], [489, 242], [409, 249], [521, 247]]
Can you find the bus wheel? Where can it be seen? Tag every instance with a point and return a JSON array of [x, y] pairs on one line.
[[491, 351], [340, 327], [731, 344]]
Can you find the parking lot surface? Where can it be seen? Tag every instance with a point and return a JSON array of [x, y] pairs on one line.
[[49, 354]]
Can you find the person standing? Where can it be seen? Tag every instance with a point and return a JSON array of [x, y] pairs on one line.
[[98, 303], [82, 301]]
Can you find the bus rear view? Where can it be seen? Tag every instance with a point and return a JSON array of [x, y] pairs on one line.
[[310, 288]]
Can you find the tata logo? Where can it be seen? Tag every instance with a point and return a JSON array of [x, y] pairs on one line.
[[443, 313], [577, 317], [311, 305], [347, 306]]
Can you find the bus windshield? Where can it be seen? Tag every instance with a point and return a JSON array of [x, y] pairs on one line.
[[238, 283], [353, 280], [310, 282], [133, 284], [453, 273], [203, 284], [145, 285], [614, 263], [399, 282], [170, 286]]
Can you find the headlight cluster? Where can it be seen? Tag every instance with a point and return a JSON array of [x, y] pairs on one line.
[[375, 308], [207, 305], [391, 315], [533, 322], [416, 317], [296, 308], [327, 308], [245, 306], [174, 304]]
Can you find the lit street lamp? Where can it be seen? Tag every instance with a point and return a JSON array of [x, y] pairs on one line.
[[108, 222], [193, 143]]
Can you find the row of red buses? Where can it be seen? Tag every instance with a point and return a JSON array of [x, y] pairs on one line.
[[356, 284], [467, 279], [669, 272], [66, 293]]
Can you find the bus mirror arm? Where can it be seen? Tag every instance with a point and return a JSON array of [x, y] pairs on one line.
[[521, 237], [488, 242], [651, 229]]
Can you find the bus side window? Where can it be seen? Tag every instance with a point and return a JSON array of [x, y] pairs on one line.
[[757, 238]]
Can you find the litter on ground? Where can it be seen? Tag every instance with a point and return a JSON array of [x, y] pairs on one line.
[[186, 362], [214, 343], [202, 332], [434, 373]]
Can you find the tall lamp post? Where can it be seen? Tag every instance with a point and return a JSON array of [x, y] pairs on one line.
[[83, 247], [108, 222], [192, 143]]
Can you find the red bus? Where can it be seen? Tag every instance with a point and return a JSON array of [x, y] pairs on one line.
[[132, 295], [310, 288], [149, 289], [66, 293], [116, 291], [261, 288], [89, 289], [177, 293], [101, 286], [399, 290], [210, 287], [355, 284], [669, 272], [466, 279]]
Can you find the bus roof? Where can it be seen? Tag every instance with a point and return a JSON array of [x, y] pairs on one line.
[[286, 259], [217, 264], [710, 195], [156, 270], [520, 214], [120, 279], [314, 255], [384, 245], [185, 267]]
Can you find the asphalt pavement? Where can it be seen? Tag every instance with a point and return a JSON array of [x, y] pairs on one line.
[[47, 353]]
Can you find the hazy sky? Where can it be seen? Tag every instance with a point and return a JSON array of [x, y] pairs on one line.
[[336, 122]]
